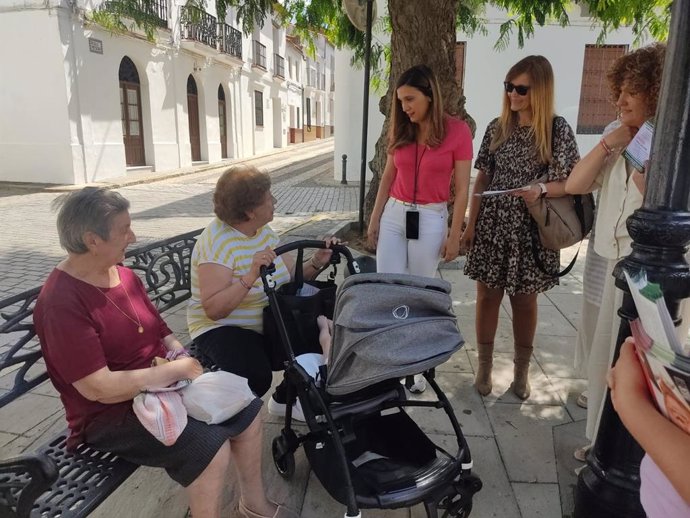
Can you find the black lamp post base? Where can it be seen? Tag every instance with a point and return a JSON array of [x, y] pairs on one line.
[[599, 498]]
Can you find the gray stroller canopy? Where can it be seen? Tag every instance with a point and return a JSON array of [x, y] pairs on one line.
[[389, 326]]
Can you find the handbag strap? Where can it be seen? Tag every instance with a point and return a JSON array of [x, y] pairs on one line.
[[540, 263], [580, 212]]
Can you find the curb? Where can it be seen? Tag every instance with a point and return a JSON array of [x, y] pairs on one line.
[[119, 183]]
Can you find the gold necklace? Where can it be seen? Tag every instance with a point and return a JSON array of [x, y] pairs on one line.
[[137, 322]]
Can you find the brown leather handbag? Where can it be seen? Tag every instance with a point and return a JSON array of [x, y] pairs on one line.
[[559, 223], [562, 221]]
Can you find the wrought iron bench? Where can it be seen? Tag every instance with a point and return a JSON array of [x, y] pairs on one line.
[[52, 482]]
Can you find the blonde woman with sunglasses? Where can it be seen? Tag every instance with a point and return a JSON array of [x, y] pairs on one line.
[[526, 142]]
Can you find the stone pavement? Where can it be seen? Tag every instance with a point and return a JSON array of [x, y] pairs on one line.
[[521, 450], [303, 183]]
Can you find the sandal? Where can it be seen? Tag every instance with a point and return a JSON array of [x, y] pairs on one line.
[[581, 453], [281, 512]]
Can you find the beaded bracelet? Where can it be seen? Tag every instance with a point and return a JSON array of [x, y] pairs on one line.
[[606, 147], [244, 284]]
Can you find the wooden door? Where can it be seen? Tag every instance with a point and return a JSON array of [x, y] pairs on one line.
[[223, 129], [132, 135], [194, 133]]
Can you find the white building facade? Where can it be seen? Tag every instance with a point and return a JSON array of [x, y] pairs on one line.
[[89, 105], [579, 69]]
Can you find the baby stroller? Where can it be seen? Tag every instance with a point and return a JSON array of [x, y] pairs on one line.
[[361, 443]]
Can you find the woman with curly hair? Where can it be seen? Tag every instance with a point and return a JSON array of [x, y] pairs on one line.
[[634, 80]]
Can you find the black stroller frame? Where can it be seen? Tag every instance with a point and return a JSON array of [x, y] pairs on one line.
[[443, 484]]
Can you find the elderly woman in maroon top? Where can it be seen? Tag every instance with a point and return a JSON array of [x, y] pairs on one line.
[[100, 333]]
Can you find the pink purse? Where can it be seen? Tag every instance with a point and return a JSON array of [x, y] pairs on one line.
[[161, 410], [161, 413]]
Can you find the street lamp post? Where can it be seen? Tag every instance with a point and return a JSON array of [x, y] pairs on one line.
[[365, 115], [609, 484]]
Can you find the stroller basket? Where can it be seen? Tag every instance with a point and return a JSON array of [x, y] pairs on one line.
[[380, 459]]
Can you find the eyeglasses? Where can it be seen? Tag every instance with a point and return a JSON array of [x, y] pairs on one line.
[[520, 89]]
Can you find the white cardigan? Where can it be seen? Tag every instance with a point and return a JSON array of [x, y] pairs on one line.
[[619, 198]]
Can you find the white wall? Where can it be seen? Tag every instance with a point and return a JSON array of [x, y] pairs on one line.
[[348, 111], [34, 129], [485, 70]]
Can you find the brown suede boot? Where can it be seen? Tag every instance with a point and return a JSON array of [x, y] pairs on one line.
[[520, 385], [482, 380]]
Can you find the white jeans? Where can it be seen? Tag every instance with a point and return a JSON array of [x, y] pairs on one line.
[[397, 254]]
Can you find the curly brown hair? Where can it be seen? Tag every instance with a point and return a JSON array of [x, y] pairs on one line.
[[640, 71], [239, 190]]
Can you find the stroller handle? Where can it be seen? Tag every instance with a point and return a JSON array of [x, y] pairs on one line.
[[303, 244]]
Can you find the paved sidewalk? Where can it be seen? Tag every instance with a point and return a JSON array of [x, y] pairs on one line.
[[521, 450]]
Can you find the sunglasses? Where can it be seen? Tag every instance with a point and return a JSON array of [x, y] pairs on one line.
[[520, 89]]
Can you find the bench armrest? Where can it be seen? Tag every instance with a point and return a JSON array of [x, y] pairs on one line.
[[30, 476]]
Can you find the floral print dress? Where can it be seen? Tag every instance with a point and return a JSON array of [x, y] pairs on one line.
[[501, 256]]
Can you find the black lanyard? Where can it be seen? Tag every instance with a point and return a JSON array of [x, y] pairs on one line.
[[416, 171]]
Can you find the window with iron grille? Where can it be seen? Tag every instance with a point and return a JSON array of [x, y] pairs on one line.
[[460, 64], [279, 65], [259, 108], [259, 55], [596, 108]]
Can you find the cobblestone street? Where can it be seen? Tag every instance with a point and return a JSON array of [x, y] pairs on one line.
[[302, 182]]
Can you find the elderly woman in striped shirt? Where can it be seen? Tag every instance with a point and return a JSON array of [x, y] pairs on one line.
[[226, 307]]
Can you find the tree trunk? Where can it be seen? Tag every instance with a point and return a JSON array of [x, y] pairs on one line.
[[417, 38]]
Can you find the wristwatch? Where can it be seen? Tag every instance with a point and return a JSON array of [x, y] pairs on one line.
[[542, 188]]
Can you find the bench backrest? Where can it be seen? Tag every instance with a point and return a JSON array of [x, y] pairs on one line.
[[163, 266]]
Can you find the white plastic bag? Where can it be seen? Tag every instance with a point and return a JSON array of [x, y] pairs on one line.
[[215, 397]]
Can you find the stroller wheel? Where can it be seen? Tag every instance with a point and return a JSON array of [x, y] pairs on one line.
[[455, 507], [283, 459]]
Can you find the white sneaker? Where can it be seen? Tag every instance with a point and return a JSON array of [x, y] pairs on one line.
[[418, 386], [278, 409]]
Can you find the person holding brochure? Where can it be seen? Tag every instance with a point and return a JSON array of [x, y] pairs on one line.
[[634, 80], [526, 142], [664, 484], [427, 150]]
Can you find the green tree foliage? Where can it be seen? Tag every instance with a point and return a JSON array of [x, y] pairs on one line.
[[647, 18]]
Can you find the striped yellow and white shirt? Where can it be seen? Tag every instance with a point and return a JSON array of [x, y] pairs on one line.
[[220, 243]]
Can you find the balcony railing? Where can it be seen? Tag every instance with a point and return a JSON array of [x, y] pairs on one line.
[[230, 40], [259, 54], [155, 11], [279, 65], [196, 24]]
